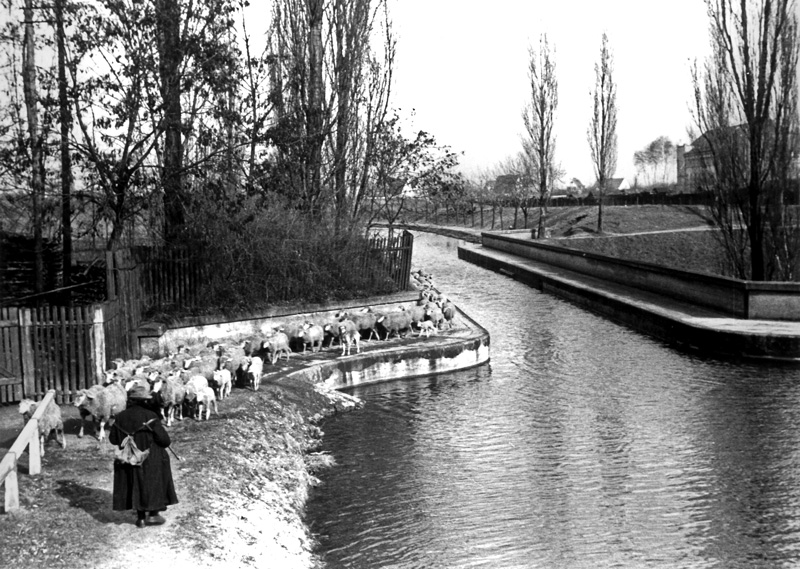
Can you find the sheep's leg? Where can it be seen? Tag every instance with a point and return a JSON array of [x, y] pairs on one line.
[[80, 433], [63, 438], [41, 445], [102, 434]]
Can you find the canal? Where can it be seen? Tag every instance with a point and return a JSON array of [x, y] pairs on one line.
[[580, 444]]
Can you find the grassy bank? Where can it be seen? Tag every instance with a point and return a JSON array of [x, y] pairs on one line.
[[242, 485], [681, 237]]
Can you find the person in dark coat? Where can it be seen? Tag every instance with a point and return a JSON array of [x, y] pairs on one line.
[[148, 488]]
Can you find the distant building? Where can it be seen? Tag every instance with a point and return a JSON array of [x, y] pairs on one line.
[[617, 186], [613, 186], [695, 162]]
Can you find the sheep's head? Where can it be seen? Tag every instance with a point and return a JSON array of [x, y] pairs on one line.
[[80, 398], [27, 407]]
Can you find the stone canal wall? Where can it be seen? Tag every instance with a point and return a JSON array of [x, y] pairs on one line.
[[738, 298]]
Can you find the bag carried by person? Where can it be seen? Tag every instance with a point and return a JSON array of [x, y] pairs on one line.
[[128, 452]]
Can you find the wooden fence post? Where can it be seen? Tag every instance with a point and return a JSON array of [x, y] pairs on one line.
[[12, 486], [111, 274], [98, 344], [34, 451], [26, 351]]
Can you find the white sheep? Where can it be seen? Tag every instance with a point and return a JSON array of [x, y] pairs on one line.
[[102, 405], [348, 335], [276, 345], [193, 386], [205, 400], [434, 314], [427, 327], [223, 380], [173, 393], [48, 423], [312, 334], [255, 368], [448, 312], [395, 322], [416, 312], [365, 321]]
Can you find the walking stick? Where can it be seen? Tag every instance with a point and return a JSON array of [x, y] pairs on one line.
[[147, 424], [175, 454]]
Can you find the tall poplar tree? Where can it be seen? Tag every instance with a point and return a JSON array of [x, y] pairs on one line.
[[602, 133], [539, 119]]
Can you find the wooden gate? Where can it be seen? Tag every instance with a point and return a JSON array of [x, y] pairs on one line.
[[10, 356], [390, 258], [54, 347]]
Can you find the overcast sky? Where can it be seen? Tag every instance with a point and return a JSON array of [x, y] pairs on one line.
[[462, 65]]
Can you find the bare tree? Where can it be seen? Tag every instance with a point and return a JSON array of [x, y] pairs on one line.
[[36, 141], [65, 118], [539, 118], [746, 108], [602, 133], [656, 162], [170, 52]]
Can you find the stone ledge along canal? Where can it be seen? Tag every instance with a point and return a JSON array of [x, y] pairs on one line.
[[580, 444]]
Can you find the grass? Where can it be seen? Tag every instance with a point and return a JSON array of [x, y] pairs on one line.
[[676, 236]]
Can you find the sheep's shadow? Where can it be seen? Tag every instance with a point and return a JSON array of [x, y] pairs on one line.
[[73, 427], [95, 502]]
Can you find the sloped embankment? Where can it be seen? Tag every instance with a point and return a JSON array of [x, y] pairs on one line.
[[242, 485]]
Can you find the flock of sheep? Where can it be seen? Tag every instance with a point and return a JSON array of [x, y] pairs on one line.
[[190, 381]]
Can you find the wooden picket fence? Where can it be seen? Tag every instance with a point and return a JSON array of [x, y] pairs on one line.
[[66, 349], [389, 257], [50, 348], [167, 277]]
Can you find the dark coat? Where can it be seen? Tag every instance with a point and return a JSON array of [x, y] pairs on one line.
[[147, 487]]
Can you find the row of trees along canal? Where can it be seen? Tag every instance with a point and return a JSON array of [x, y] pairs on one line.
[[746, 109], [174, 127]]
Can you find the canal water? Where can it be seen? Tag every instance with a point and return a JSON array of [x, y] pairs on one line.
[[581, 444]]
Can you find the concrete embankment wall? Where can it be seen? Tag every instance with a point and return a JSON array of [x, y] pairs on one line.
[[738, 298], [691, 333], [465, 346]]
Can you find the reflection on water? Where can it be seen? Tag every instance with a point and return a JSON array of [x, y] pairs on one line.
[[581, 444]]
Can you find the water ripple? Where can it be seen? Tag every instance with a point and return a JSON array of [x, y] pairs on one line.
[[581, 444]]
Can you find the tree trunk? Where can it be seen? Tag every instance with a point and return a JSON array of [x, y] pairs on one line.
[[756, 233], [542, 216], [168, 16], [600, 214], [65, 117], [315, 96], [31, 95]]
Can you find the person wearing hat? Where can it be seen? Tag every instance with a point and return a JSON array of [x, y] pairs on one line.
[[147, 488]]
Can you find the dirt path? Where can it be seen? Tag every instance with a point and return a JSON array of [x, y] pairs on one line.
[[242, 484]]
